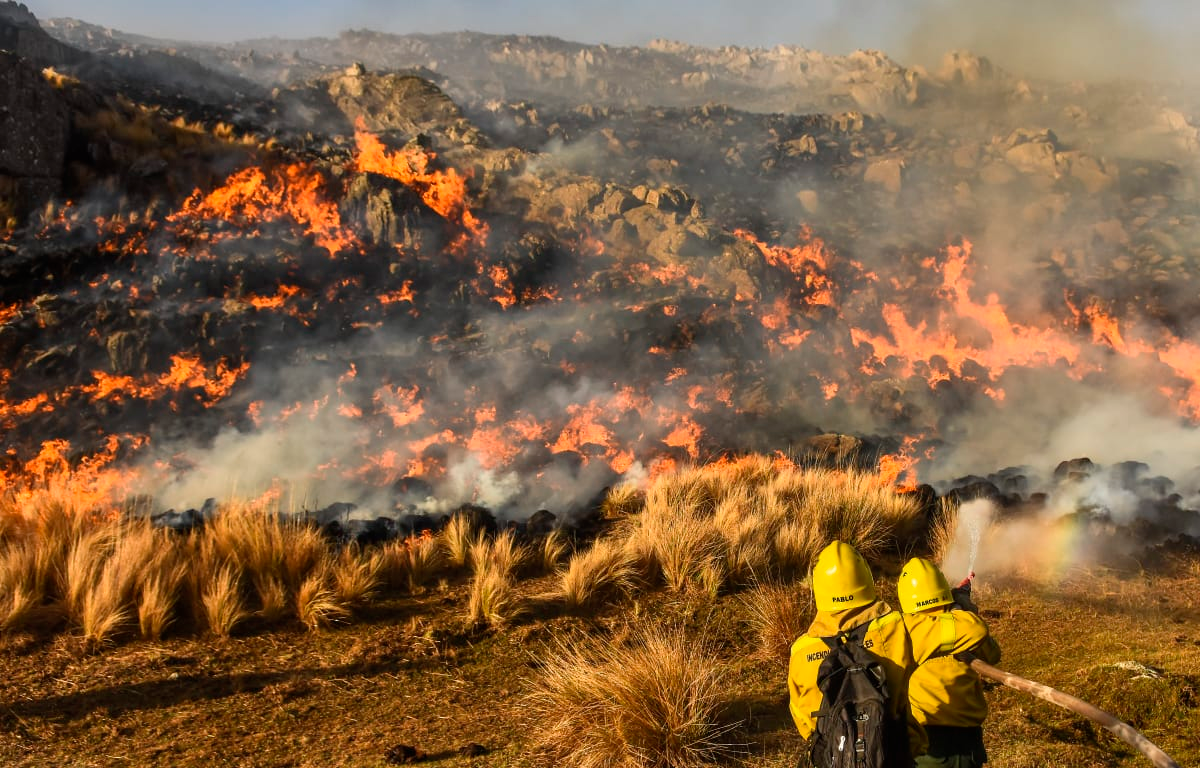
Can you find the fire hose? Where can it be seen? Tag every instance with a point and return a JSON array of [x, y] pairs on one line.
[[1123, 730]]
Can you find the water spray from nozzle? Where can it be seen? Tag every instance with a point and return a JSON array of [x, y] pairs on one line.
[[974, 517]]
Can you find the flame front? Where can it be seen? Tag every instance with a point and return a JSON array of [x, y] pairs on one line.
[[426, 371]]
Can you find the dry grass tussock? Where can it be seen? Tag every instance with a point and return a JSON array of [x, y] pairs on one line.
[[552, 549], [458, 536], [113, 578], [317, 602], [224, 607], [733, 523], [943, 528], [356, 576], [622, 501], [779, 613], [652, 702], [264, 545], [597, 573], [697, 531], [413, 562], [493, 599]]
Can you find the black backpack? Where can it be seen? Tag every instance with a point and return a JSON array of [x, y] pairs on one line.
[[855, 728]]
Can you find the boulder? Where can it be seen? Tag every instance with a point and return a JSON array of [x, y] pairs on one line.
[[541, 522], [21, 34], [670, 199], [34, 128], [128, 352], [830, 450], [390, 213], [675, 244], [1094, 174], [964, 67], [569, 202], [396, 101], [1075, 469], [887, 173], [805, 146], [648, 221], [1033, 152], [616, 202]]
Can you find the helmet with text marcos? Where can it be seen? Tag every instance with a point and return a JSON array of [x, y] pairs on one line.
[[922, 586]]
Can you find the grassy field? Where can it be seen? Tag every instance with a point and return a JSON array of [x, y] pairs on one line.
[[662, 644]]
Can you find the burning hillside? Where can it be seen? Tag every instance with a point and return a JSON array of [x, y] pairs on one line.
[[354, 290]]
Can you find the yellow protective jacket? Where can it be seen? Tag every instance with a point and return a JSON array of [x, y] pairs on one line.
[[887, 638], [944, 691]]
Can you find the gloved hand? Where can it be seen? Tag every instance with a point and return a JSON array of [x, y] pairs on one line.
[[962, 595]]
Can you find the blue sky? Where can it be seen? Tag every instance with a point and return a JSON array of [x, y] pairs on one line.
[[1069, 37]]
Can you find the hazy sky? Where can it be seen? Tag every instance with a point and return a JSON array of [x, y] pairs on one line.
[[1071, 37]]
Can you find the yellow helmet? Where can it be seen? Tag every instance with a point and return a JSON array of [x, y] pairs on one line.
[[922, 585], [841, 579]]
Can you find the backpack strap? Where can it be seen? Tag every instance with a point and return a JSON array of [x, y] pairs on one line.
[[888, 618], [856, 634], [948, 632], [859, 633]]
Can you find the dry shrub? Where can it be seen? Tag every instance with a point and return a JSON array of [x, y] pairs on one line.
[[651, 703], [742, 520], [855, 507], [19, 607], [794, 547], [224, 607], [597, 573], [752, 471], [13, 525], [81, 572], [478, 550], [317, 604], [779, 613], [424, 562], [735, 522], [691, 490]]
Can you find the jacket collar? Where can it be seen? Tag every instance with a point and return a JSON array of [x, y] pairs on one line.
[[829, 623]]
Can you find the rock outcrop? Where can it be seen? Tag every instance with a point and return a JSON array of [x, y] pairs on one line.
[[34, 126]]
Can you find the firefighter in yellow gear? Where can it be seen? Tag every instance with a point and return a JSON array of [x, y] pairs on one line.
[[945, 694], [844, 592]]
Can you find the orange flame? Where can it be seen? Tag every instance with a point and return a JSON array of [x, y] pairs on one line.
[[965, 331], [443, 191], [254, 196], [900, 469]]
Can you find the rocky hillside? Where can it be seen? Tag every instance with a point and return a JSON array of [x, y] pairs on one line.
[[513, 270]]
